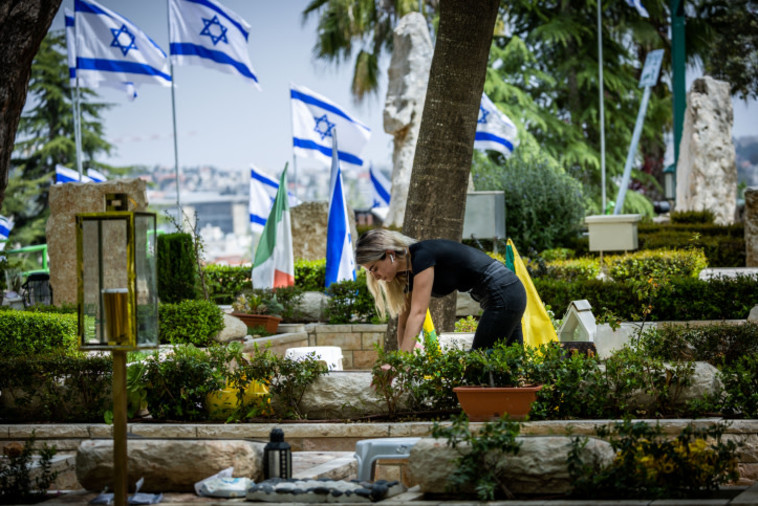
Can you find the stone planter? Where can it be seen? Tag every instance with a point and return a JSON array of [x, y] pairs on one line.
[[487, 403], [268, 322]]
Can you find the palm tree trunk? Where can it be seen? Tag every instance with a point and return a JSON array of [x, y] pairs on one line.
[[441, 166]]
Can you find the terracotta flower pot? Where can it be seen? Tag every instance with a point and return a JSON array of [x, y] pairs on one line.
[[269, 322], [488, 403]]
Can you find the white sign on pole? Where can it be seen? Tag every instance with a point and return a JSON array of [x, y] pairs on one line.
[[652, 68]]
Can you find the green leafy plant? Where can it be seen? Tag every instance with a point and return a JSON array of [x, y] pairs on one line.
[[176, 385], [287, 380], [226, 281], [189, 322], [740, 380], [310, 275], [650, 465], [350, 302], [16, 484], [705, 217], [467, 324], [479, 453], [24, 333], [177, 268], [258, 301]]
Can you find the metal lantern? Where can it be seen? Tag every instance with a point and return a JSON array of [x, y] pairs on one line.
[[277, 457], [117, 286]]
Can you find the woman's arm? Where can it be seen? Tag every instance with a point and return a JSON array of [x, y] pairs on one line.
[[402, 319], [415, 314]]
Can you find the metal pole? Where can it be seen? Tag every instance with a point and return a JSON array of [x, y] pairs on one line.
[[294, 157], [678, 70], [632, 150], [76, 99], [180, 217], [602, 102], [120, 462]]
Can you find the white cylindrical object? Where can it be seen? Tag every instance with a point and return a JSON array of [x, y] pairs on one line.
[[332, 355]]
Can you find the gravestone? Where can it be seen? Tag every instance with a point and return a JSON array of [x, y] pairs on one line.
[[66, 201], [406, 92], [309, 221], [706, 171]]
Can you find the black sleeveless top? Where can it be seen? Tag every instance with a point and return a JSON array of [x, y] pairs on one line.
[[456, 266]]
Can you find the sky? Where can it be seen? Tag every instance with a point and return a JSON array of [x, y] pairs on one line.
[[225, 122]]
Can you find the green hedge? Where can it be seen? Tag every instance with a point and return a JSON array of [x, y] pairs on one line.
[[225, 282], [678, 299], [637, 265], [189, 321], [177, 269], [33, 333], [310, 275], [55, 388]]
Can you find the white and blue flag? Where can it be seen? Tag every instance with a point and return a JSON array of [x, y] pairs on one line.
[[494, 130], [637, 4], [127, 86], [340, 263], [6, 225], [263, 189], [111, 50], [314, 118], [380, 188], [96, 176], [66, 175], [203, 32]]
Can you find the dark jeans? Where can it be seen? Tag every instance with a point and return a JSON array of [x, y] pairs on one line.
[[503, 298]]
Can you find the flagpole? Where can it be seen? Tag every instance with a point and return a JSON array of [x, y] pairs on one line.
[[76, 103], [602, 103], [294, 157], [180, 216]]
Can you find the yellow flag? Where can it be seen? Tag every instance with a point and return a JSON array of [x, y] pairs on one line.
[[428, 329], [535, 324]]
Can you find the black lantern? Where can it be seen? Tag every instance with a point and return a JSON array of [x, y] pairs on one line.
[[277, 457]]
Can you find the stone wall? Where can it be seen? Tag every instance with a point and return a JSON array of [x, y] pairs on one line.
[[356, 341], [309, 221], [342, 436], [66, 201]]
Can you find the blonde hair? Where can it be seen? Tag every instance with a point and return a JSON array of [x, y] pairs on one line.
[[389, 297]]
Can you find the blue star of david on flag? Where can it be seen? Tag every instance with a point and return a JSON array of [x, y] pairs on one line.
[[483, 113], [117, 33], [207, 30], [323, 127]]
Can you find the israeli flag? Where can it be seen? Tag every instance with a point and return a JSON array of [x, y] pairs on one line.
[[96, 176], [340, 264], [314, 118], [263, 189], [203, 32], [127, 86], [110, 49], [380, 188], [66, 175], [637, 4], [6, 225], [494, 130]]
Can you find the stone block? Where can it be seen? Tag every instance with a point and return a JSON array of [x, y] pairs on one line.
[[364, 360], [309, 229], [234, 330], [66, 201], [168, 465], [348, 360], [379, 328], [748, 473], [369, 339], [163, 430], [345, 340]]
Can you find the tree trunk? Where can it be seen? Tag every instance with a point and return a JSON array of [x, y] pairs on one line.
[[23, 25], [442, 163]]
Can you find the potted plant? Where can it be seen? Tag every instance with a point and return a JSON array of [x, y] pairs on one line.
[[499, 381], [258, 308]]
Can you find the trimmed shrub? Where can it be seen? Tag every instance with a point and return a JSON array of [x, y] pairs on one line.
[[55, 387], [678, 299], [189, 322], [310, 275], [177, 269], [225, 282], [350, 302], [24, 333], [704, 217]]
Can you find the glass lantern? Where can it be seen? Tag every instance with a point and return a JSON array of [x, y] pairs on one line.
[[117, 285]]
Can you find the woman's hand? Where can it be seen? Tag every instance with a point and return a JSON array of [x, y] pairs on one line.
[[415, 314]]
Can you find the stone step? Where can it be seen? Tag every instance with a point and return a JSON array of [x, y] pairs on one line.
[[331, 465]]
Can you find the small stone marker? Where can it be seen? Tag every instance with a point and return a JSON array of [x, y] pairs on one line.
[[324, 490]]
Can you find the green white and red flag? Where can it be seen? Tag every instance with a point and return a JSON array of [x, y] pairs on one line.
[[274, 265]]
